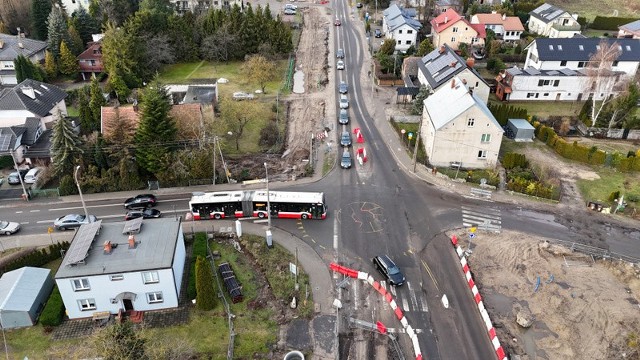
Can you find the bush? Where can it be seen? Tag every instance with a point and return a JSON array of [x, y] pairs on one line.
[[512, 57], [615, 195], [269, 135], [6, 162], [205, 298], [610, 22], [504, 112], [53, 311], [199, 249], [513, 160], [37, 258], [67, 186]]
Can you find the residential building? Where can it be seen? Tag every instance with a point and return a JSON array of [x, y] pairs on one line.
[[136, 265], [506, 28], [458, 128], [31, 137], [31, 98], [23, 293], [575, 53], [437, 68], [72, 5], [204, 94], [198, 6], [442, 6], [12, 46], [399, 24], [452, 29], [630, 30], [90, 60], [548, 20]]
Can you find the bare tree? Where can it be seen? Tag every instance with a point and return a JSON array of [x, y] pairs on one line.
[[601, 81], [15, 14], [221, 45]]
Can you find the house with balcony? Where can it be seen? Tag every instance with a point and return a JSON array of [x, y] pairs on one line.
[[506, 28], [452, 29], [436, 69], [123, 267], [90, 60], [458, 128], [630, 30], [12, 46], [551, 21], [399, 24]]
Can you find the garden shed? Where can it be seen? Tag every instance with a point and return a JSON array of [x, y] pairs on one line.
[[23, 293], [520, 130]]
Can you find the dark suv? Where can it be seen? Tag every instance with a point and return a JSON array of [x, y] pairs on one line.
[[140, 201], [389, 270]]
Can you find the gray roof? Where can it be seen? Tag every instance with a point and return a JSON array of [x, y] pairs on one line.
[[11, 48], [438, 68], [156, 245], [45, 97], [42, 147], [31, 125], [582, 49], [396, 17], [632, 26], [19, 288], [530, 71], [521, 124], [200, 94], [447, 2], [546, 12]]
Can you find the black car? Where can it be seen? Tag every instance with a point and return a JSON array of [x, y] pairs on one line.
[[140, 201], [378, 33], [389, 270], [145, 214], [14, 177]]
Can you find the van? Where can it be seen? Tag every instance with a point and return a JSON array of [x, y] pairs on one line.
[[32, 176]]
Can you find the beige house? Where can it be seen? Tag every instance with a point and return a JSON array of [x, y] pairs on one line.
[[630, 30], [458, 128], [548, 20], [452, 29]]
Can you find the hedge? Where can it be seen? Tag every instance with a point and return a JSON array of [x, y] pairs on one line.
[[504, 112], [512, 58], [53, 311], [512, 160], [199, 249], [206, 294], [610, 22], [36, 258]]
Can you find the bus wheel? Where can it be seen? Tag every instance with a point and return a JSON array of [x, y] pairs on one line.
[[304, 216], [261, 215], [217, 216]]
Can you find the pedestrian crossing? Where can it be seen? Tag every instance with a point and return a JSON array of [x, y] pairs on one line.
[[484, 218], [407, 297]]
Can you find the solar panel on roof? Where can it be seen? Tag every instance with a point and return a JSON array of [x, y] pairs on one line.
[[567, 71], [5, 141], [532, 71], [132, 226], [552, 72], [80, 245]]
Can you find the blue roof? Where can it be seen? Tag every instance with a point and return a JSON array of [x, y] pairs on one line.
[[582, 49], [20, 288], [546, 12], [397, 17]]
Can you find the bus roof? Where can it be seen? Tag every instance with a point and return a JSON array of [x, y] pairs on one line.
[[259, 195]]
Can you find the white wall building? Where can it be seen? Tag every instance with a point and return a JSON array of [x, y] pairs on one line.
[[11, 46], [506, 28], [399, 24], [72, 5], [551, 21]]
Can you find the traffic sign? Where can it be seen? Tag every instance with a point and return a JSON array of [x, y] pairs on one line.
[[472, 235], [473, 230], [410, 135]]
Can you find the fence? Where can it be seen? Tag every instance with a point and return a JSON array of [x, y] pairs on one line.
[[610, 133], [595, 251]]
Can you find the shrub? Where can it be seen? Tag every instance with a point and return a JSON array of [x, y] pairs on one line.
[[512, 160], [269, 135], [205, 298], [67, 186], [36, 258], [199, 249], [6, 162], [53, 311], [610, 22], [614, 195]]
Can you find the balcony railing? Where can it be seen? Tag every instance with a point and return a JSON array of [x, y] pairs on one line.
[[88, 67], [574, 27]]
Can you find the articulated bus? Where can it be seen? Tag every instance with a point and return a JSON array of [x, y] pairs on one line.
[[253, 203]]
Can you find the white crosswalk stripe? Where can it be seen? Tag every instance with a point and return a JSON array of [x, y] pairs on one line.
[[483, 218]]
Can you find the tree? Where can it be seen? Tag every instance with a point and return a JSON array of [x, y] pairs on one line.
[[57, 30], [219, 46], [65, 146], [206, 294], [76, 45], [50, 66], [119, 341], [121, 54], [260, 70], [96, 102], [25, 69], [418, 102], [156, 131], [158, 52], [85, 115], [424, 48], [68, 62], [388, 47], [236, 115], [85, 24], [622, 107], [15, 14], [601, 83], [40, 10]]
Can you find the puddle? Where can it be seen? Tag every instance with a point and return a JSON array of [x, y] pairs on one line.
[[540, 217], [298, 82], [501, 304]]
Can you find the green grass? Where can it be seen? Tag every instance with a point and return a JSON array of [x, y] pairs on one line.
[[327, 164], [610, 180], [597, 33], [544, 109], [590, 9], [72, 111]]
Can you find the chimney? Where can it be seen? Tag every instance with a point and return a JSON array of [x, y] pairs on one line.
[[464, 81], [446, 19], [132, 242], [504, 17], [107, 247], [442, 49], [1, 44], [453, 83], [20, 45], [453, 64], [471, 62], [28, 90]]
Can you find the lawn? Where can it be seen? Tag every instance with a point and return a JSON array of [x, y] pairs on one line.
[[544, 109], [610, 180], [590, 9]]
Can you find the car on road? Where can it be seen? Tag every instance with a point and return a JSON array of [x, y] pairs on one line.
[[345, 139], [239, 95], [14, 177], [343, 118], [377, 33], [72, 221], [291, 6], [337, 22], [32, 175], [340, 65], [344, 102], [140, 201], [343, 88], [8, 227], [389, 270], [345, 161], [288, 11], [340, 54], [145, 214]]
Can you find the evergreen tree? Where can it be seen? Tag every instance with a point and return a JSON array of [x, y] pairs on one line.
[[85, 24], [65, 146], [121, 54], [156, 130], [75, 41], [57, 30], [205, 292], [18, 65], [50, 66], [96, 102], [40, 10], [25, 69], [68, 62], [85, 114]]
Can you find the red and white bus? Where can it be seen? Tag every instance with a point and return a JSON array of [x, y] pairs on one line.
[[253, 203]]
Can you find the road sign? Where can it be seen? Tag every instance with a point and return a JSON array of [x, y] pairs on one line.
[[50, 229], [472, 235], [473, 229], [403, 131], [410, 135]]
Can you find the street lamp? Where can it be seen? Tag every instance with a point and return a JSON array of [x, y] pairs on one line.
[[269, 237], [75, 176]]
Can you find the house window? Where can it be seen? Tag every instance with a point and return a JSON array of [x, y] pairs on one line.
[[529, 95], [150, 277], [615, 63], [534, 57], [400, 31], [482, 154], [545, 94], [409, 31], [408, 42], [399, 42], [486, 138], [477, 83], [563, 63], [471, 122], [540, 82], [155, 297], [560, 47], [581, 64], [455, 29], [581, 47], [116, 277], [87, 304], [93, 62], [453, 39], [474, 40], [80, 284], [556, 83]]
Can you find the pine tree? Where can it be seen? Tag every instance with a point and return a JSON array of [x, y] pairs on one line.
[[156, 131], [85, 114], [85, 24], [57, 30], [75, 41], [205, 292], [50, 66], [96, 102], [68, 62], [65, 146], [18, 65], [40, 10]]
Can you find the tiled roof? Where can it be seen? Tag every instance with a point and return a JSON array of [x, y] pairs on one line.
[[34, 96], [546, 12], [480, 29], [582, 49], [446, 19], [88, 53], [126, 113], [510, 23], [11, 47]]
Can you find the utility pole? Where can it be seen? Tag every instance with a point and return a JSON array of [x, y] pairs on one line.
[[214, 160], [86, 213], [24, 189], [415, 150]]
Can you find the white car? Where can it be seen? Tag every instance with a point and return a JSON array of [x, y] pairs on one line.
[[340, 65], [291, 6], [239, 95], [8, 228], [344, 102]]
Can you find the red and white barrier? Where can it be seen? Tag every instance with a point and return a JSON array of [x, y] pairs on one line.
[[388, 297], [359, 137], [478, 299]]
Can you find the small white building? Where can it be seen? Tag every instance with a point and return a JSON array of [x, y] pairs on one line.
[[506, 28], [399, 24], [23, 293], [457, 127], [107, 270], [551, 21], [72, 5]]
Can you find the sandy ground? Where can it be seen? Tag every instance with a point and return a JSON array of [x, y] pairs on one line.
[[582, 309]]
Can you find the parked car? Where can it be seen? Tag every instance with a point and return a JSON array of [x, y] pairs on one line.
[[145, 214], [340, 65], [141, 201], [344, 102], [345, 139], [288, 11], [291, 6], [343, 88], [345, 161], [14, 177], [8, 227], [32, 175], [343, 118], [239, 95], [378, 33], [389, 270], [72, 221], [337, 22], [340, 54]]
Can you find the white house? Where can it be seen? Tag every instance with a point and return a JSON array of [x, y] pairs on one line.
[[108, 270], [18, 140], [196, 6], [29, 99], [11, 46], [551, 21], [575, 53], [72, 5], [506, 28], [457, 127], [399, 24], [437, 68]]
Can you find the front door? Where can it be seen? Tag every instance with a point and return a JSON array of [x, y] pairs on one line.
[[128, 304]]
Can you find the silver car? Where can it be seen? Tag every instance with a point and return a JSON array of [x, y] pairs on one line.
[[344, 117], [345, 139], [8, 227], [344, 102], [72, 221]]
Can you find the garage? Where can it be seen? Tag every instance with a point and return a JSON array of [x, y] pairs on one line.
[[23, 293]]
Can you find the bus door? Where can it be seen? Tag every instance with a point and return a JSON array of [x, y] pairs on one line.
[[247, 204], [316, 211], [204, 210]]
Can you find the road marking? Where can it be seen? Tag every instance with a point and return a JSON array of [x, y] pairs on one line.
[[34, 211], [405, 304], [335, 233], [392, 290], [355, 295], [45, 221], [24, 223], [412, 293], [423, 302], [426, 267], [19, 212]]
